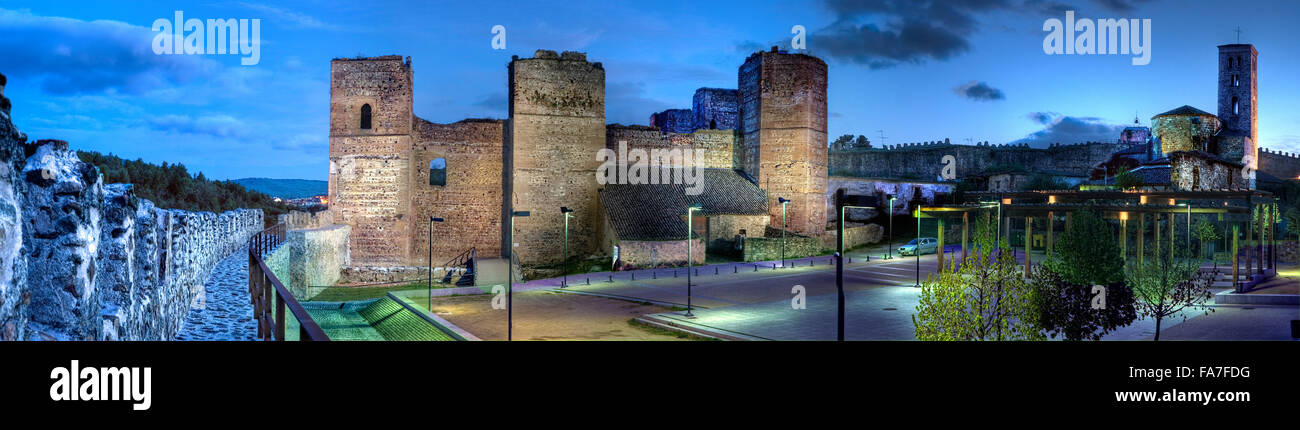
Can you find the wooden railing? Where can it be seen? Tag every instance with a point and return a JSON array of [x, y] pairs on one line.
[[264, 289]]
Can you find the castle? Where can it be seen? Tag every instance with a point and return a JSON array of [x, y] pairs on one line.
[[763, 142], [391, 171]]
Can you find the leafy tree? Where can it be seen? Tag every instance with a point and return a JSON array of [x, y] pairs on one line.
[[1165, 285], [1204, 231], [1087, 252], [1127, 180], [987, 299], [1086, 255]]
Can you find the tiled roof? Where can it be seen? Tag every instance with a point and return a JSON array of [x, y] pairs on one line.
[[656, 212], [1153, 175]]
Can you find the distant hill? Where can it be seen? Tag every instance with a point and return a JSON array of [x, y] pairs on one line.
[[285, 188]]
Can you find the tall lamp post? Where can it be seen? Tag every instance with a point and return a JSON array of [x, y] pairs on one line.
[[431, 221], [889, 252], [1189, 223], [842, 202], [783, 203], [690, 260], [917, 250], [510, 276], [567, 213]]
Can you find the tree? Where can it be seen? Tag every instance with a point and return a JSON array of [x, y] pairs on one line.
[[987, 299], [842, 142], [1166, 285], [1087, 252], [1127, 180], [1204, 231], [1087, 255]]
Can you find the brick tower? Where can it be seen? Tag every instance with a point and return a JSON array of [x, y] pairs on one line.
[[1238, 97], [369, 152], [557, 124], [783, 126]]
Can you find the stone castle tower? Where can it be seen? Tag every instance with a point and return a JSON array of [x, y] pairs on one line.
[[556, 127], [782, 100], [1238, 97], [369, 153]]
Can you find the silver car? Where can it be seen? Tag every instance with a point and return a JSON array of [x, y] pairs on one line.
[[928, 245]]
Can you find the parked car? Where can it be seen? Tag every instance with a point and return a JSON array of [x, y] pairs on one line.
[[928, 245]]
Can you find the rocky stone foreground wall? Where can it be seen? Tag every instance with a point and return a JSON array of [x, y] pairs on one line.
[[86, 261]]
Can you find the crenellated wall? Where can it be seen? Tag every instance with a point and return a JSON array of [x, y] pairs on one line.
[[924, 160]]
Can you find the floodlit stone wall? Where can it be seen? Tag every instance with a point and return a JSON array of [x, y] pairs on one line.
[[924, 160], [645, 254], [316, 258], [469, 202]]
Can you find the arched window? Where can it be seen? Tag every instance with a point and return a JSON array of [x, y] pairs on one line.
[[1235, 81], [1236, 107], [365, 117], [438, 172], [1229, 62]]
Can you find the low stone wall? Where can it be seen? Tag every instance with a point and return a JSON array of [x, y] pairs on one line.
[[854, 236], [378, 274], [316, 257], [644, 254], [306, 220], [769, 248], [100, 263]]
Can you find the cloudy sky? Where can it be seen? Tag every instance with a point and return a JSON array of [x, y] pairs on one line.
[[915, 70]]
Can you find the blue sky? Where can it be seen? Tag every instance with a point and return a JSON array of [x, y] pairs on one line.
[[918, 70]]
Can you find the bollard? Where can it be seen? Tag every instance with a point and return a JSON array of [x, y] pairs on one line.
[[715, 270], [735, 269], [654, 275], [674, 273], [588, 280], [633, 276], [755, 267], [611, 278]]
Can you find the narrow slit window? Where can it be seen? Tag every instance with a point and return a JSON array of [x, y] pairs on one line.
[[365, 117], [438, 172]]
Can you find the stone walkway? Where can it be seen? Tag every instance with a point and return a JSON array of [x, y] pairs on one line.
[[224, 312]]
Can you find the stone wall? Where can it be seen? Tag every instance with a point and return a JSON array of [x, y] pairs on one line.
[[302, 219], [100, 263], [782, 100], [557, 125], [316, 258], [716, 108], [924, 161], [1285, 165], [1190, 172], [854, 236], [645, 254], [722, 231], [769, 248], [715, 146], [673, 121], [13, 262], [1184, 132], [469, 202]]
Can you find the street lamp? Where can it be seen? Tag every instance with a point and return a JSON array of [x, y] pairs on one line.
[[510, 276], [889, 252], [690, 245], [567, 213], [431, 221], [842, 201], [783, 203], [917, 250]]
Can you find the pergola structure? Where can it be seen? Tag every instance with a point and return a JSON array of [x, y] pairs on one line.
[[1132, 210]]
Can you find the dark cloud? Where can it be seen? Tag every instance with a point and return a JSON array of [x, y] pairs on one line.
[[1065, 129], [69, 56], [1120, 5], [886, 33], [979, 91]]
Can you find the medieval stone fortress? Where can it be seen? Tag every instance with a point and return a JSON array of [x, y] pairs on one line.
[[390, 171], [765, 141]]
